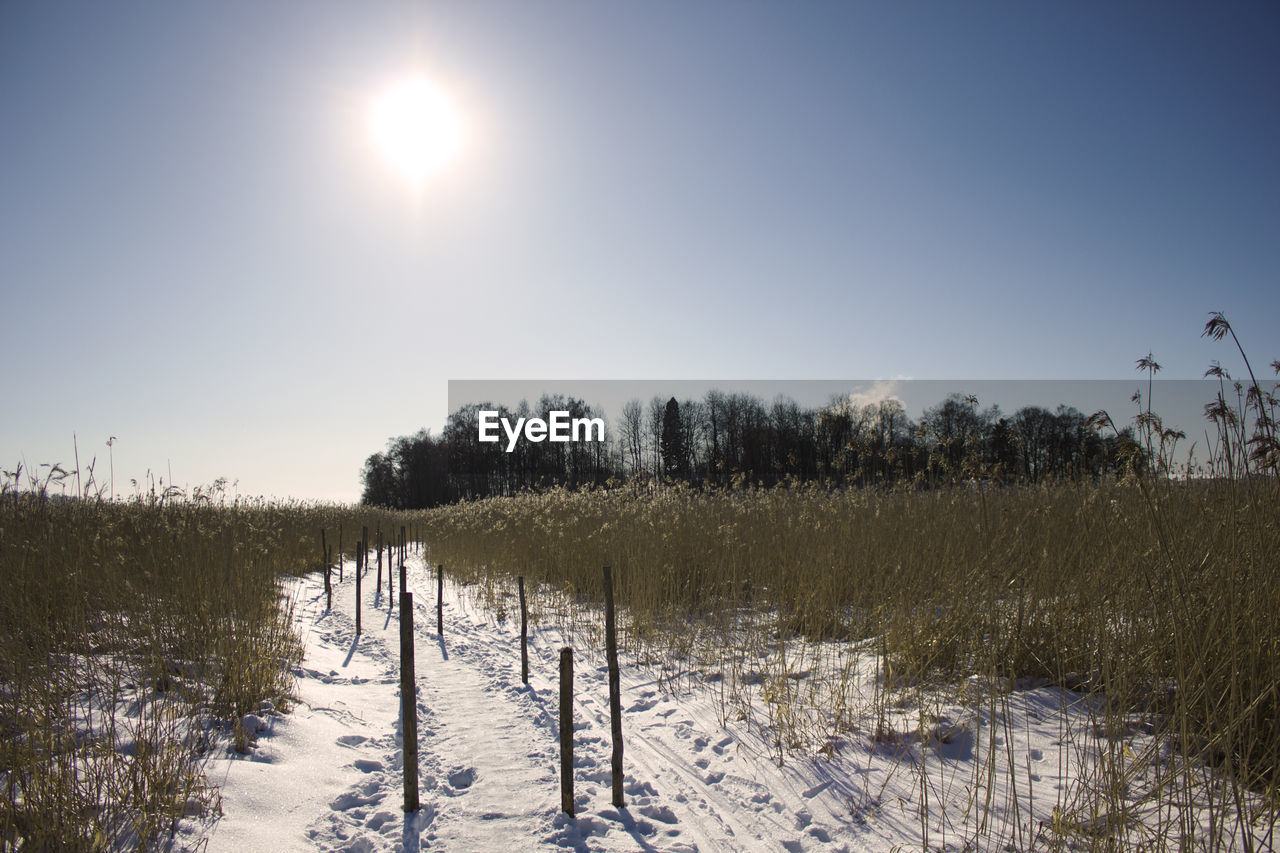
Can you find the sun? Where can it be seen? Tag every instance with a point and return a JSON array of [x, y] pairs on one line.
[[416, 128]]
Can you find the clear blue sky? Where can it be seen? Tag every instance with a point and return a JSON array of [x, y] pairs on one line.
[[202, 254]]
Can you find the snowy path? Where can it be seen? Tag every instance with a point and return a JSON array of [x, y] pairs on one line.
[[328, 775]]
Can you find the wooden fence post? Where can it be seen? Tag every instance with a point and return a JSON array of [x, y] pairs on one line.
[[440, 600], [328, 585], [359, 566], [339, 553], [379, 586], [566, 730], [615, 686], [524, 633], [408, 704]]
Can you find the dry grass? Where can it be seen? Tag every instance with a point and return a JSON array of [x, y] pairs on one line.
[[1162, 595], [135, 636], [139, 631]]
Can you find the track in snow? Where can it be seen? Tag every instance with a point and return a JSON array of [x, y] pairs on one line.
[[489, 749]]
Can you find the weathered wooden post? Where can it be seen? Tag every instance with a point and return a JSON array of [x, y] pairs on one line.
[[408, 704], [378, 588], [339, 553], [359, 566], [566, 730], [440, 600], [388, 565], [615, 686], [524, 633], [328, 585]]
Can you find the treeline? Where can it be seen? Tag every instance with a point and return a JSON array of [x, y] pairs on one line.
[[729, 440]]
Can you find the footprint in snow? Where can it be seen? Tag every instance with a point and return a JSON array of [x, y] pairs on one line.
[[462, 778], [820, 834], [358, 845], [635, 789], [662, 814], [354, 799]]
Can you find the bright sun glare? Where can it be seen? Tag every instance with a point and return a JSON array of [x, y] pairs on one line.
[[416, 128]]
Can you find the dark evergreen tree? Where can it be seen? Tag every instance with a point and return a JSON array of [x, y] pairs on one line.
[[675, 457]]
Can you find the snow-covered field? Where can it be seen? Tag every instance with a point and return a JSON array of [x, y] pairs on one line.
[[328, 774]]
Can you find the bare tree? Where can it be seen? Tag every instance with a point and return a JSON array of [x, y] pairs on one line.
[[657, 408], [631, 435]]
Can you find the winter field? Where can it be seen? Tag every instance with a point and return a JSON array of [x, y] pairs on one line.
[[328, 775], [1065, 667]]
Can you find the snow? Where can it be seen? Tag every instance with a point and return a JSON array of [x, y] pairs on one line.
[[328, 774]]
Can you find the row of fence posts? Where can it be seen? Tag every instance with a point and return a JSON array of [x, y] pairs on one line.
[[408, 538], [326, 554], [408, 683]]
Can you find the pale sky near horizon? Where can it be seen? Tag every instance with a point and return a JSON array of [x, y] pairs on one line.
[[203, 254]]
